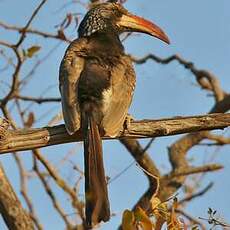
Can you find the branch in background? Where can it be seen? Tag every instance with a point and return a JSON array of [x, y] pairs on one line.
[[178, 150], [204, 78], [191, 219], [15, 81], [196, 195], [11, 210], [51, 194], [76, 203], [215, 220], [23, 31], [142, 158], [39, 100], [25, 139], [15, 76], [24, 192], [219, 140], [194, 170], [58, 36]]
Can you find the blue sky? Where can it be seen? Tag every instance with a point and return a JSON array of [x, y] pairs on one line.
[[198, 31]]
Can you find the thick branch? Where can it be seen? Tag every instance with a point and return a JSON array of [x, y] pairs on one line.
[[25, 139], [178, 150], [11, 210]]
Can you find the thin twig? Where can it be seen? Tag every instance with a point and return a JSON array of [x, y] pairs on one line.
[[197, 194], [51, 195], [34, 31], [23, 34], [194, 170], [23, 182], [38, 100], [61, 183]]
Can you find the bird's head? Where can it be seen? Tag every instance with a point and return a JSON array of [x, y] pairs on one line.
[[112, 16]]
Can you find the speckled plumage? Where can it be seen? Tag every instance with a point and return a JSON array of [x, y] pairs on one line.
[[102, 17]]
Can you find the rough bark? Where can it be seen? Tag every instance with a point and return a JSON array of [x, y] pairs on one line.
[[15, 217], [25, 139]]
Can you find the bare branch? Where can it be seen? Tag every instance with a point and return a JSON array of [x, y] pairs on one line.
[[141, 156], [220, 140], [23, 182], [204, 78], [13, 213], [50, 193], [149, 168], [34, 31], [39, 100], [15, 77], [25, 139], [29, 22], [194, 170], [191, 218], [195, 195], [61, 183]]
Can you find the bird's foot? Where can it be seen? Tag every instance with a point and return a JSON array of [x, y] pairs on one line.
[[127, 122]]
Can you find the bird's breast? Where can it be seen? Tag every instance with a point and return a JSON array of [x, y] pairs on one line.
[[94, 88]]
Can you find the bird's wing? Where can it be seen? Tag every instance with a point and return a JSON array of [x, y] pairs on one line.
[[123, 84], [69, 73]]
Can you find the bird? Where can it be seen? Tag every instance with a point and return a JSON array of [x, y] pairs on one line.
[[96, 82]]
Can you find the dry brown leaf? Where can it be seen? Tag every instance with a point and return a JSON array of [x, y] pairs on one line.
[[128, 220], [142, 219], [32, 50]]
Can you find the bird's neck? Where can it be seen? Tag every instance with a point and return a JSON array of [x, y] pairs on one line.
[[107, 44]]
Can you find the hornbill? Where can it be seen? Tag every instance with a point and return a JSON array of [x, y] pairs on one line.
[[97, 81]]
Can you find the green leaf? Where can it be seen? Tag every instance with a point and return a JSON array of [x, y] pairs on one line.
[[32, 50]]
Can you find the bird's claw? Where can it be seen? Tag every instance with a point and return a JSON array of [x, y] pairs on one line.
[[127, 122]]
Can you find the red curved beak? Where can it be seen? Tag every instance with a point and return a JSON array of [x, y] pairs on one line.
[[133, 23]]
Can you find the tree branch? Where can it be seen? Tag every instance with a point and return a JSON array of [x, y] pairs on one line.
[[196, 195], [11, 210], [23, 34], [25, 139], [148, 167], [39, 100], [34, 31], [194, 170], [204, 78]]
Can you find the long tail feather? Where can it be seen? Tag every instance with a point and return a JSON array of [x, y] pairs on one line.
[[96, 194]]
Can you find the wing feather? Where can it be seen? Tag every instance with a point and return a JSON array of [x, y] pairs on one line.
[[69, 74], [123, 84]]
